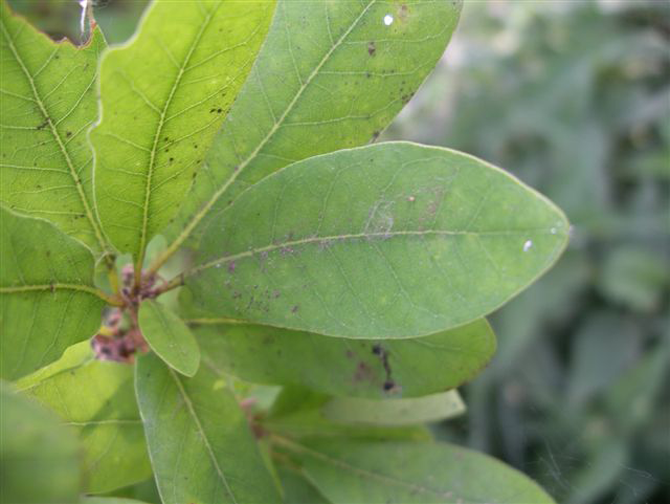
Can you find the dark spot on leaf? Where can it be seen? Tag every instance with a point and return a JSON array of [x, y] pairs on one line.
[[349, 354], [231, 267], [372, 48], [68, 134], [295, 309], [389, 385], [218, 111]]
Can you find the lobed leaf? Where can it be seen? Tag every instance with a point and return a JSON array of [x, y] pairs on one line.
[[169, 337], [97, 399], [38, 457], [47, 297], [164, 95], [387, 241], [342, 367], [47, 104], [331, 75], [372, 472], [200, 445]]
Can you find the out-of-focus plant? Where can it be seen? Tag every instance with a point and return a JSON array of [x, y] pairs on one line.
[[575, 97]]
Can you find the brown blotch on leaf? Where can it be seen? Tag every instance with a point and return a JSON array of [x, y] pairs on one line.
[[372, 49]]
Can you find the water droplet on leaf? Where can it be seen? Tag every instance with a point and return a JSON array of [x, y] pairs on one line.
[[388, 20], [527, 245]]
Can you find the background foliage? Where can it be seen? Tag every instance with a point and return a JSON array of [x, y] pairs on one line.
[[574, 98]]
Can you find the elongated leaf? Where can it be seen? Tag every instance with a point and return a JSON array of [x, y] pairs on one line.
[[164, 95], [422, 473], [47, 103], [331, 75], [98, 400], [169, 337], [386, 241], [299, 413], [47, 298], [395, 411], [199, 441], [342, 367], [38, 457], [109, 500]]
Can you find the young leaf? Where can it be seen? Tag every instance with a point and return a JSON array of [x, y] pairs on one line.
[[47, 103], [386, 241], [47, 298], [200, 445], [342, 367], [395, 411], [38, 457], [164, 95], [169, 337], [331, 75], [373, 472], [97, 399]]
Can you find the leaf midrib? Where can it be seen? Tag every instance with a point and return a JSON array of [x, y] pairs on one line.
[[355, 236], [201, 430], [197, 218], [57, 137], [157, 135]]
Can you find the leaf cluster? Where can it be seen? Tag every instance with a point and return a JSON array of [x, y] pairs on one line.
[[330, 294]]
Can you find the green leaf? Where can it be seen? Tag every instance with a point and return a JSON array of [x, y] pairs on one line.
[[47, 103], [331, 75], [47, 298], [98, 400], [418, 410], [297, 490], [109, 500], [38, 458], [164, 95], [343, 367], [200, 444], [371, 472], [169, 337], [386, 241]]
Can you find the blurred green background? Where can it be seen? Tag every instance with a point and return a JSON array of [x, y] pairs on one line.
[[573, 97]]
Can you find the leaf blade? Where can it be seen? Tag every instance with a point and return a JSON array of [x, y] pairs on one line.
[[343, 367], [51, 97], [97, 399], [39, 457], [431, 239], [144, 160], [212, 428], [169, 337], [47, 297], [440, 473], [334, 83]]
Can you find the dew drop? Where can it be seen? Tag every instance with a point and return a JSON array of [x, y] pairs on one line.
[[388, 20], [218, 265], [553, 230], [527, 245]]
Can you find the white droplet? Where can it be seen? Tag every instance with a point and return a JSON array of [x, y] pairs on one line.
[[527, 245], [218, 265], [388, 20], [553, 230]]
